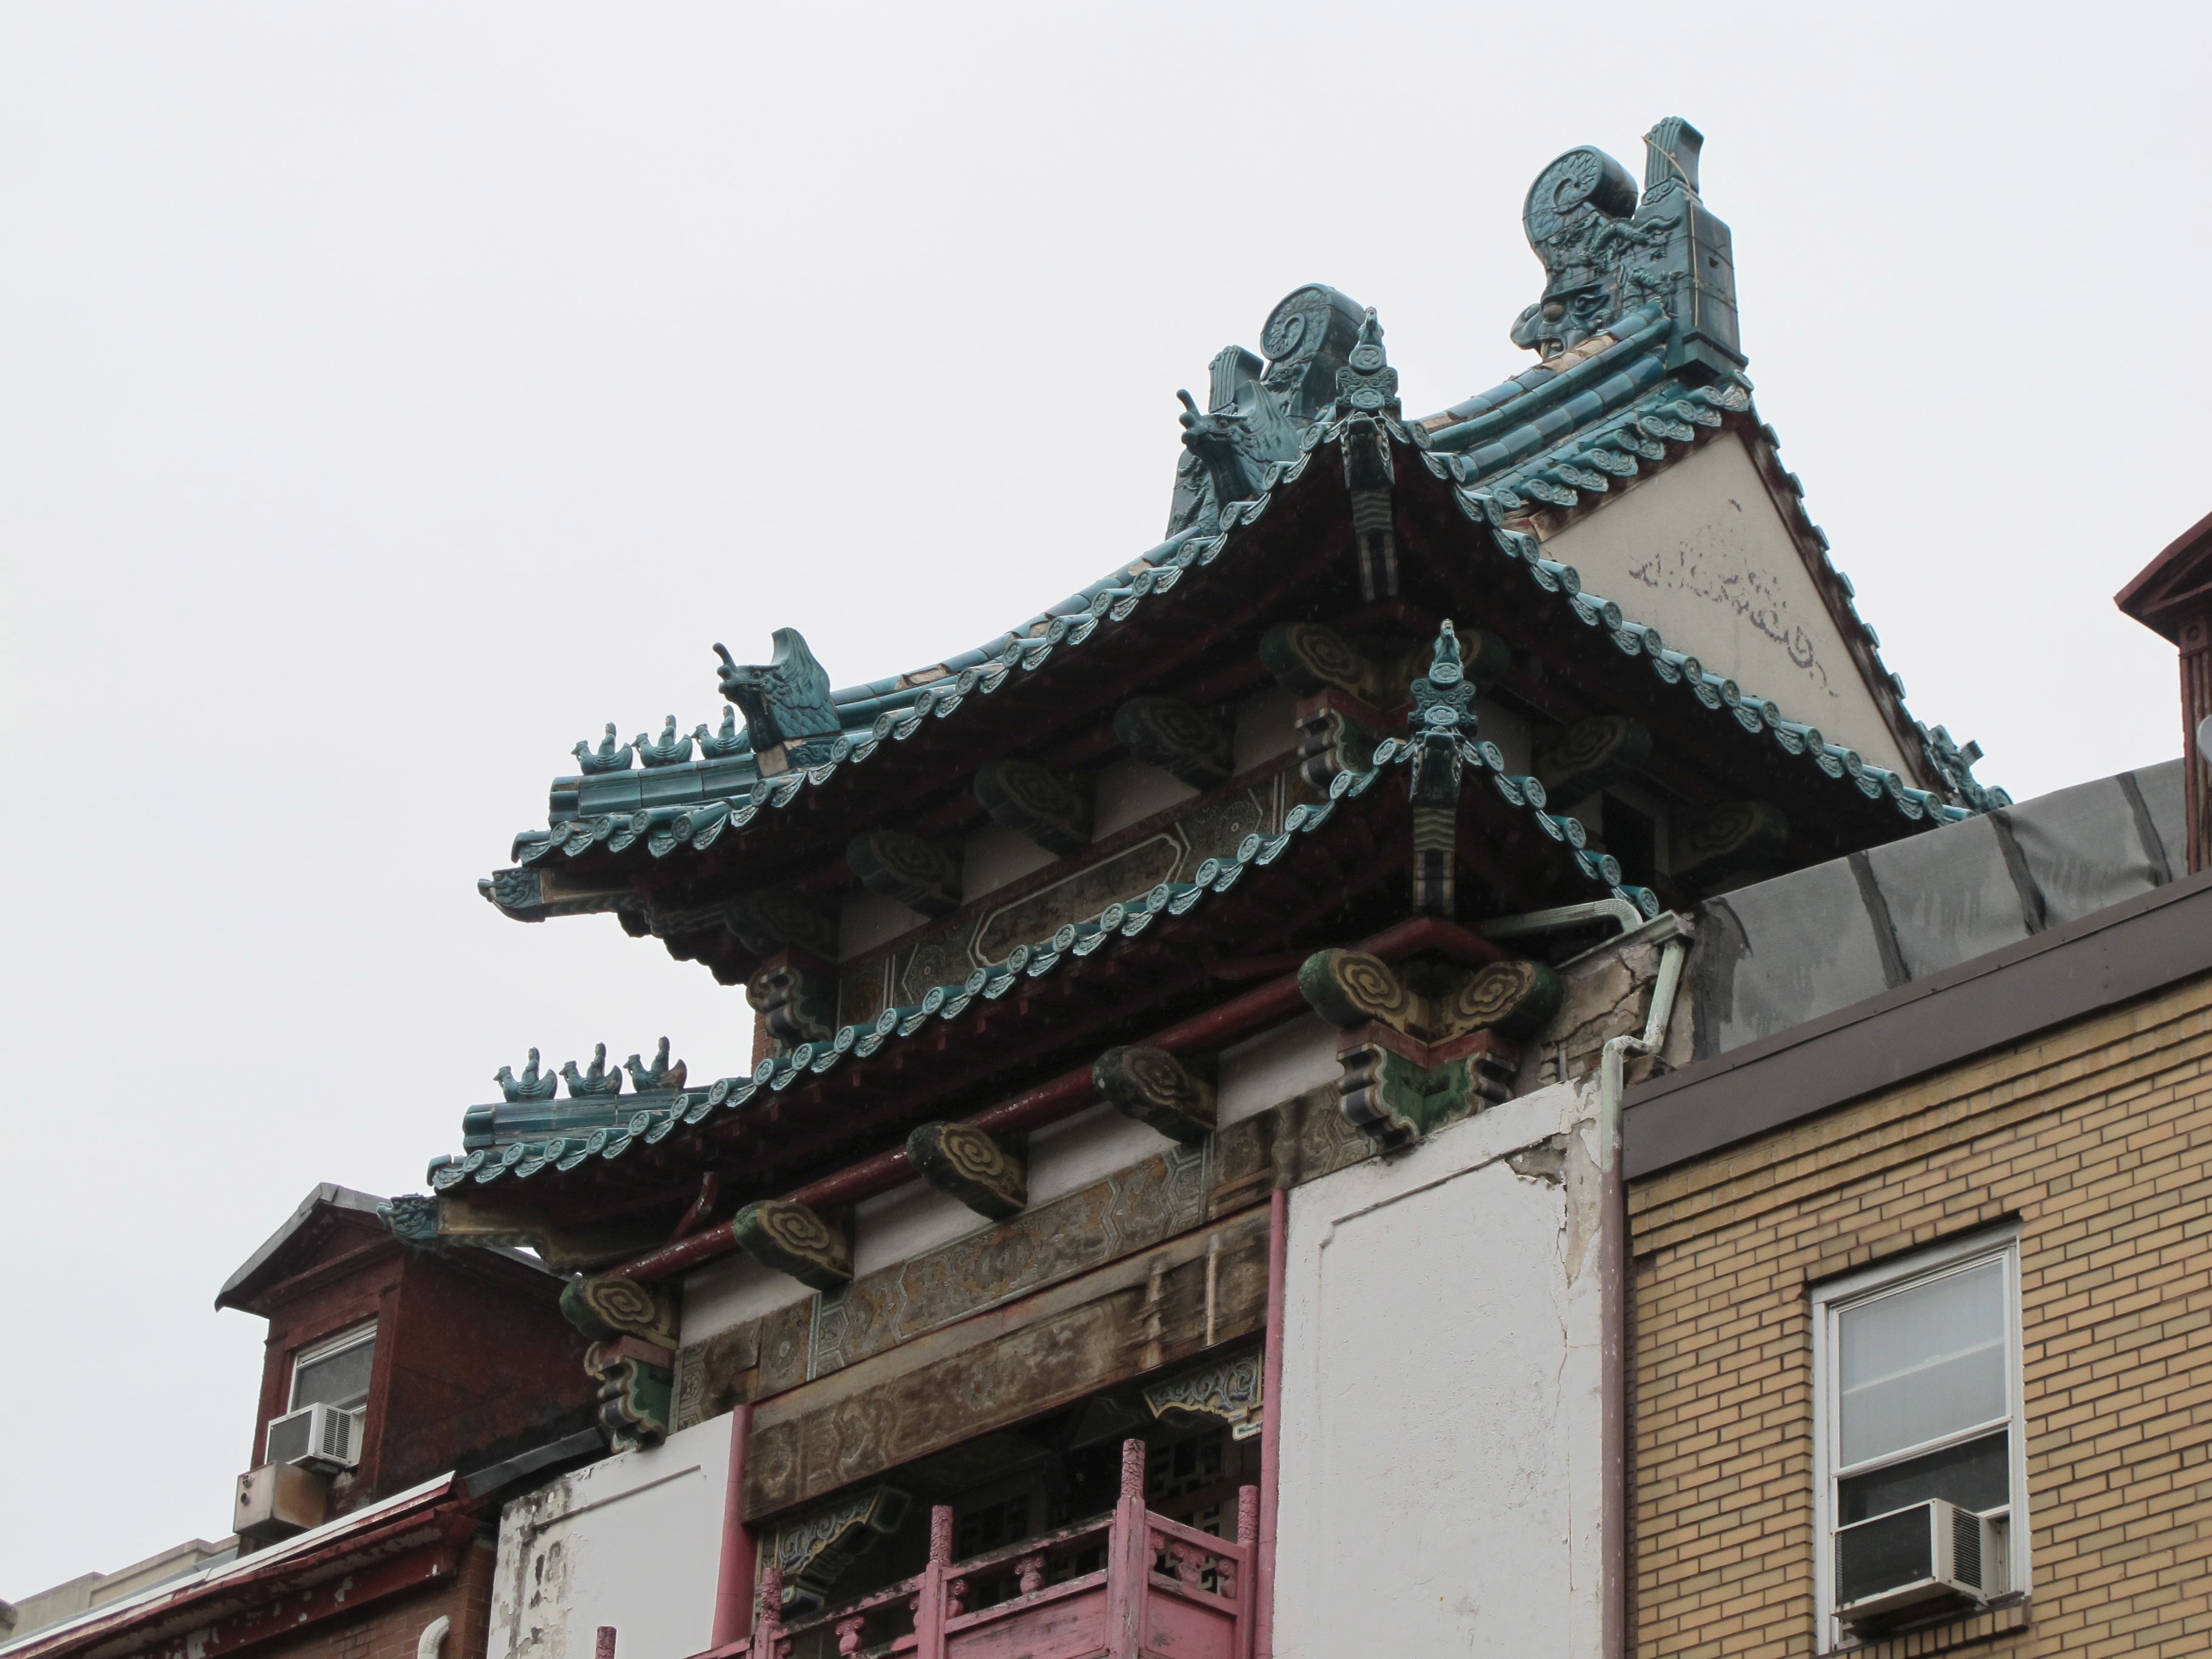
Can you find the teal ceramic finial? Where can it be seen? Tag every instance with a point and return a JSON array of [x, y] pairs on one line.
[[596, 1083], [721, 745], [661, 1074], [529, 1085], [606, 757], [784, 700], [670, 750]]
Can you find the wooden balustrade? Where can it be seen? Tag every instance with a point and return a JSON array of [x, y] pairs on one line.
[[1129, 1584]]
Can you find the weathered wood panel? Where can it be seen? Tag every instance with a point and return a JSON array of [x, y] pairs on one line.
[[1009, 1364], [1129, 1212]]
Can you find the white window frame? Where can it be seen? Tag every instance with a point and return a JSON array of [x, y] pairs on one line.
[[1837, 1296], [352, 1337]]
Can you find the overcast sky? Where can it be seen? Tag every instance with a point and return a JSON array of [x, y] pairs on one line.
[[392, 395]]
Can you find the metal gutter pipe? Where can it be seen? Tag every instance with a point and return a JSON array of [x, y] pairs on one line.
[[1612, 1289], [1063, 1096]]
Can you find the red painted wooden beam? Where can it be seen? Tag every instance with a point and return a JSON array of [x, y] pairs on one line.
[[1061, 1096]]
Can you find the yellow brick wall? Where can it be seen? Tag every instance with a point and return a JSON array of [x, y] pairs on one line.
[[2098, 1137]]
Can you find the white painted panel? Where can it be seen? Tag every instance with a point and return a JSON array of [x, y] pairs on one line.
[[1441, 1490], [633, 1541], [1275, 1067], [731, 1291], [1700, 552]]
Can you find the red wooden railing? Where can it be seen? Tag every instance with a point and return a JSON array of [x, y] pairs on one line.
[[1128, 1585]]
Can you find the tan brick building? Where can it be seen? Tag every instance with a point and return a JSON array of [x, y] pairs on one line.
[[2030, 1133]]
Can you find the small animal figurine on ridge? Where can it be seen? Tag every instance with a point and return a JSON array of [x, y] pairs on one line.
[[721, 745], [606, 757], [597, 1083], [670, 750], [529, 1085], [661, 1074]]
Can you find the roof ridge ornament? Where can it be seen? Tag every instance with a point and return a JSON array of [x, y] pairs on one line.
[[1257, 414], [530, 1085], [1606, 253], [789, 715], [606, 757]]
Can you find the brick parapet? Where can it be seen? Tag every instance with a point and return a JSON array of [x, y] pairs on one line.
[[2097, 1137]]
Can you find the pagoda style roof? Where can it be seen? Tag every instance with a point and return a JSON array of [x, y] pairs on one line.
[[1305, 498]]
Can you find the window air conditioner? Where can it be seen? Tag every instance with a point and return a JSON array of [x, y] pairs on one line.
[[1932, 1553], [326, 1438]]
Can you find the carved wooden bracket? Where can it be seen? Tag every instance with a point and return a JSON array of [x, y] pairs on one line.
[[813, 1552], [1307, 658], [796, 993], [1177, 738], [779, 918], [1724, 839], [610, 1307], [1431, 1002], [1590, 756], [790, 1238], [1424, 1045], [972, 1166], [633, 1391], [1053, 809], [562, 1249], [1396, 1090], [901, 865], [1228, 1388], [1154, 1087]]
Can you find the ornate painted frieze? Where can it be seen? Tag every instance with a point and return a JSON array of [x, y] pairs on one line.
[[1122, 868], [1228, 1388], [813, 1550]]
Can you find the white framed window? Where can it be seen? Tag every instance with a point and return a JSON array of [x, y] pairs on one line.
[[1916, 1406], [335, 1371]]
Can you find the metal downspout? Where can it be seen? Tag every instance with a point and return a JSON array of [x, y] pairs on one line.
[[1613, 1293]]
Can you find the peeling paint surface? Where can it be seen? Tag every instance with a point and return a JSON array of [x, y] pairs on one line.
[[631, 1541], [1441, 1490]]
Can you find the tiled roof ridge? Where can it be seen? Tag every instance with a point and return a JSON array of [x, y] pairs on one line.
[[1072, 941], [1493, 503]]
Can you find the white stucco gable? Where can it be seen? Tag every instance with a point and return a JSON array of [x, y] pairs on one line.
[[1700, 552]]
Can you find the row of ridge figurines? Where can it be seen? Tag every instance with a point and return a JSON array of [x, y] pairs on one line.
[[595, 1081], [673, 749]]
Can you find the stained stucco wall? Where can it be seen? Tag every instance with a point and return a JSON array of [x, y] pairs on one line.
[[631, 1541], [1440, 1479], [1699, 552]]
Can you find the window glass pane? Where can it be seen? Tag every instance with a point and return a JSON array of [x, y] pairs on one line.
[[1975, 1476], [1923, 1363], [337, 1379]]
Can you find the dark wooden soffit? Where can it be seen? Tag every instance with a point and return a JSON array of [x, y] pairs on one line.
[[2096, 963], [2178, 580]]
